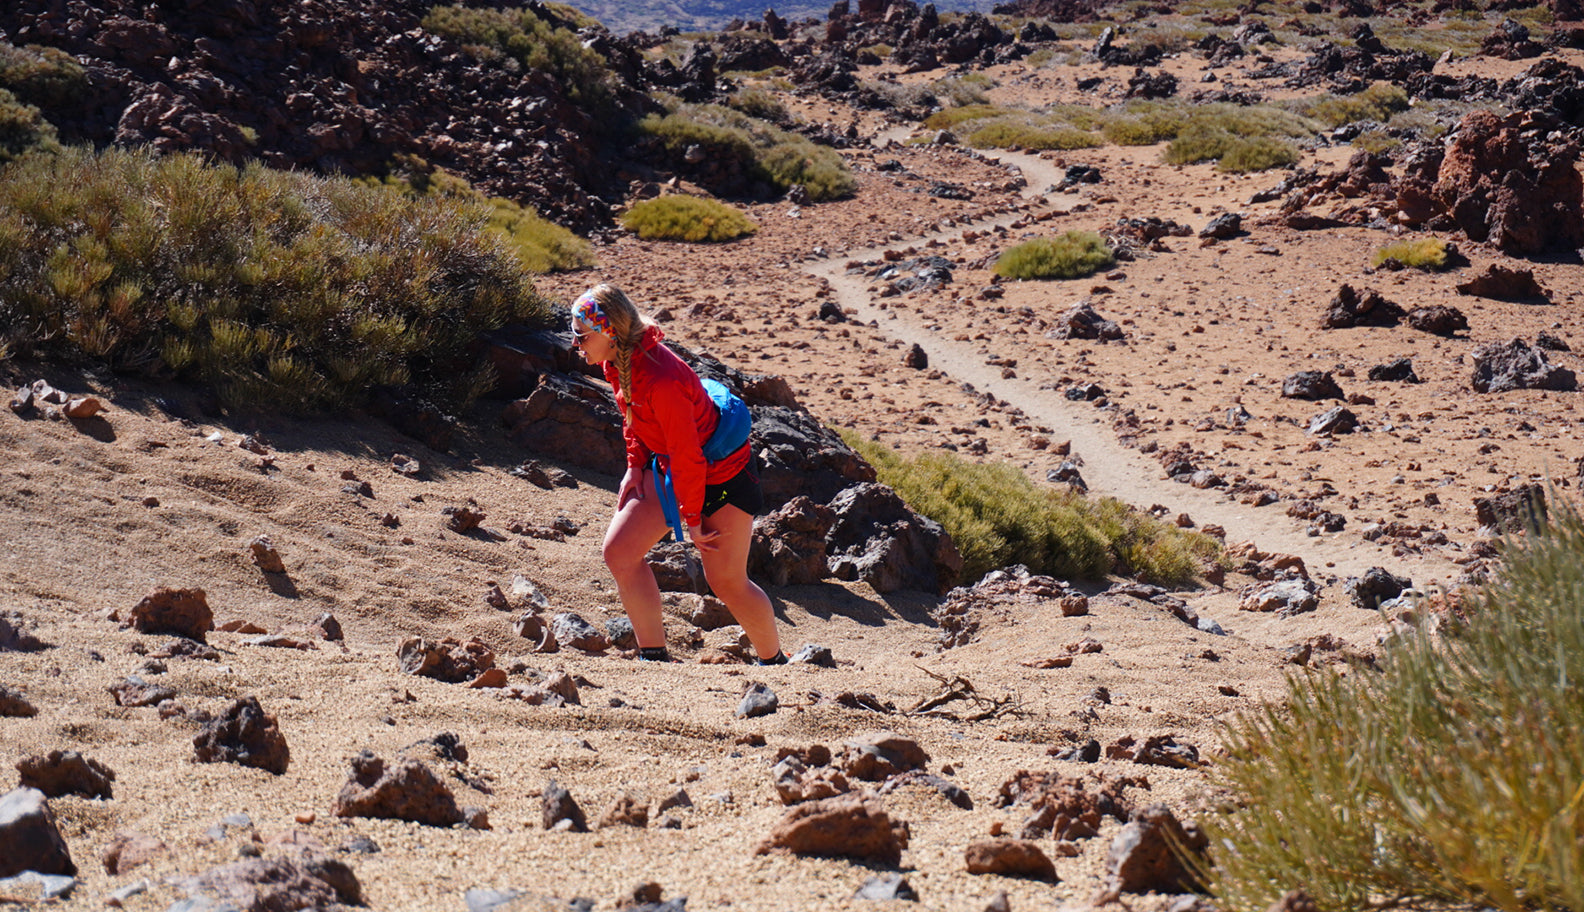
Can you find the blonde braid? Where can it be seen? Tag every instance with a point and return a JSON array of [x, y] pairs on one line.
[[623, 361]]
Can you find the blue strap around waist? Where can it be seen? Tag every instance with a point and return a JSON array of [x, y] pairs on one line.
[[668, 498]]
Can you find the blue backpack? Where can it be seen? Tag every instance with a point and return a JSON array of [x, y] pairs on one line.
[[731, 432]]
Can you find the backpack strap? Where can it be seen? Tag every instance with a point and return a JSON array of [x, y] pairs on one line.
[[668, 498]]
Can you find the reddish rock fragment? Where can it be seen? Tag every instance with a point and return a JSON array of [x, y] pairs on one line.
[[851, 826], [407, 791], [67, 773], [183, 612], [130, 850], [1012, 857], [244, 734]]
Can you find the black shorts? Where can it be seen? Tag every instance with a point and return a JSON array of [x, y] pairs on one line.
[[740, 490]]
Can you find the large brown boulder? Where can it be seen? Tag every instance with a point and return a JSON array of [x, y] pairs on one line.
[[789, 544], [183, 612], [409, 790], [1504, 181], [850, 825], [879, 540], [1502, 367]]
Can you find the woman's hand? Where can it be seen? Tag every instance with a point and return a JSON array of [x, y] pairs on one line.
[[632, 486], [705, 541]]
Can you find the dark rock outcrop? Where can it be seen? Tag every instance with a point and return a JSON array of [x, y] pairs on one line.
[[244, 734], [876, 538], [1502, 367]]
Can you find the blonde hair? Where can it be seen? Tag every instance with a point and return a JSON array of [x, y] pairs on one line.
[[629, 326]]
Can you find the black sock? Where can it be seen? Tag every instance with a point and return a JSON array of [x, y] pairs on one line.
[[780, 658], [654, 654]]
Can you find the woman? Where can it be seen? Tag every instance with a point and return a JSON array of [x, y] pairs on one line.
[[666, 418]]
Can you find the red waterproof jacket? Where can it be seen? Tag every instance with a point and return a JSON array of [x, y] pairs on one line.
[[672, 416]]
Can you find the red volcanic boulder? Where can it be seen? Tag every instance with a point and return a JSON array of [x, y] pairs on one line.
[[1504, 182]]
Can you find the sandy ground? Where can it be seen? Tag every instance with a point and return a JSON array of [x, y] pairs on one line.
[[94, 515]]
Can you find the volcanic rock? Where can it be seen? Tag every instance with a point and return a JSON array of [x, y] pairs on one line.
[[183, 612], [1011, 857], [788, 546], [29, 838], [407, 791], [66, 773], [1500, 368], [850, 825], [1147, 856], [244, 734]]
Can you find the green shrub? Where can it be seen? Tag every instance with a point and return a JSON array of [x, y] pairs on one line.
[[1427, 253], [998, 517], [1144, 123], [960, 91], [529, 40], [23, 129], [686, 218], [1451, 779], [1007, 134], [45, 77], [1072, 255], [1378, 102], [541, 245], [752, 146], [279, 290], [759, 104], [1258, 153], [949, 118]]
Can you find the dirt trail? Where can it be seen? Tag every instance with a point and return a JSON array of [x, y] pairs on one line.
[[1109, 468]]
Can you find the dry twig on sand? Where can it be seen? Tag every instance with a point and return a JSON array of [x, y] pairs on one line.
[[956, 688]]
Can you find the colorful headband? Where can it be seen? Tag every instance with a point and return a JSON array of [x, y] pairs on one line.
[[587, 309]]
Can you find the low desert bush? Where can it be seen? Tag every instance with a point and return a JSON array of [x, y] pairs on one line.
[[544, 41], [759, 104], [1014, 134], [998, 517], [1378, 102], [278, 290], [1452, 777], [687, 218], [1256, 153], [1071, 255], [23, 129], [728, 137], [541, 245], [959, 91], [950, 118], [1428, 253], [45, 77]]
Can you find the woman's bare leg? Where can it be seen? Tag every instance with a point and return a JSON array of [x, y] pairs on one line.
[[635, 528], [726, 568]]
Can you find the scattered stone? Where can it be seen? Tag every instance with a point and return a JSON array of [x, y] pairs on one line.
[[14, 635], [183, 648], [531, 626], [130, 850], [82, 408], [1515, 511], [811, 654], [1087, 752], [29, 838], [1500, 368], [572, 631], [402, 464], [409, 790], [796, 783], [182, 612], [1398, 371], [265, 556], [449, 660], [887, 887], [1504, 284], [14, 705], [1339, 420], [850, 826], [328, 627], [66, 773], [279, 641], [1144, 857], [758, 700], [31, 886], [626, 810], [134, 691], [1287, 598], [877, 756], [619, 630], [462, 519], [1011, 857], [1376, 585], [1349, 309], [560, 812], [1311, 385], [1081, 321], [564, 686], [916, 358], [947, 789], [1157, 750], [1224, 227], [702, 611], [306, 880], [1438, 320], [244, 734]]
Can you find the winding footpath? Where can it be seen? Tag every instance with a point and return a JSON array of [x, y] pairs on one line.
[[1109, 469]]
